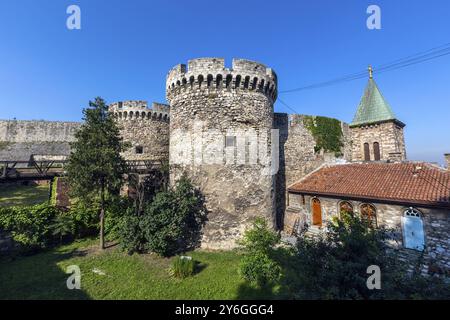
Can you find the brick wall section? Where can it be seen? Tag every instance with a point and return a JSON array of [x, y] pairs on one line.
[[436, 226]]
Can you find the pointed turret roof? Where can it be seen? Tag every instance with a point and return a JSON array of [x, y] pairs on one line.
[[373, 108]]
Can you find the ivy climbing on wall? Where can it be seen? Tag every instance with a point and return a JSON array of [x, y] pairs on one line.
[[327, 133]]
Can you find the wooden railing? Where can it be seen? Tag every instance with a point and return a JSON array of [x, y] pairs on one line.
[[48, 169]]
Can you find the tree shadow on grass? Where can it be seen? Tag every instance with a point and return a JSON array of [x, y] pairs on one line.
[[39, 277], [199, 267]]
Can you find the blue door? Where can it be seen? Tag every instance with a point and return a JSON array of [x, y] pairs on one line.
[[413, 234]]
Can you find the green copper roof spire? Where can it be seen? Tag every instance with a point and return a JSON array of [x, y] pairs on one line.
[[373, 107]]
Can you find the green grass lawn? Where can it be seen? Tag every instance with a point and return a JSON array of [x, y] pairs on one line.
[[21, 195], [42, 276]]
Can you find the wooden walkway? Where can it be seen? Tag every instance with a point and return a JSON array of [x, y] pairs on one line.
[[48, 169]]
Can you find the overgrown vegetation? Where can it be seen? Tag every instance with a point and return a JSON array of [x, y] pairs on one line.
[[327, 133], [169, 224], [258, 245], [335, 265]]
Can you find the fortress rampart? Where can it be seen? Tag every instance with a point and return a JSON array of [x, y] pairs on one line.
[[146, 129], [20, 139]]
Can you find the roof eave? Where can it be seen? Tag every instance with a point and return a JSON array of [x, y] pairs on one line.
[[361, 124], [405, 202]]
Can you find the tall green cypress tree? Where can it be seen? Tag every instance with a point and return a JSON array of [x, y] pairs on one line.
[[95, 168]]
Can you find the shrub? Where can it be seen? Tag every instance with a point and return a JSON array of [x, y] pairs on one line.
[[170, 224], [62, 226], [118, 210], [334, 266], [130, 233], [30, 227], [258, 265], [85, 217], [182, 267], [260, 269]]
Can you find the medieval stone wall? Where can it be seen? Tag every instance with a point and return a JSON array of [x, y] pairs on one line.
[[220, 135], [21, 139], [298, 156], [389, 135], [146, 129]]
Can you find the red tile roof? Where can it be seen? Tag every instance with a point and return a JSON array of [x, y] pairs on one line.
[[408, 183]]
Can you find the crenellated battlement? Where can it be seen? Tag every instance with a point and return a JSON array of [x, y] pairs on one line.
[[138, 109], [211, 74]]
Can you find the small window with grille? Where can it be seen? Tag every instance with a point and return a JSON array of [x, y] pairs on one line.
[[230, 141], [139, 150]]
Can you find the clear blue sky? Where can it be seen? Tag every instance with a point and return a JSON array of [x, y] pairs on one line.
[[125, 49]]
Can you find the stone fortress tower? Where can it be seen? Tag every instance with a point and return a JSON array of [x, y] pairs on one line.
[[377, 135], [146, 129], [220, 135]]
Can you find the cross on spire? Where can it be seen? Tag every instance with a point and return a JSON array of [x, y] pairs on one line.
[[370, 72]]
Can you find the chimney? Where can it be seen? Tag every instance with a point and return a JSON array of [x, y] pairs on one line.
[[447, 159], [395, 157]]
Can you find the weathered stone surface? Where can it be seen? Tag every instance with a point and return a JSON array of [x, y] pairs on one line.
[[220, 100], [388, 134], [297, 155], [21, 139], [144, 128]]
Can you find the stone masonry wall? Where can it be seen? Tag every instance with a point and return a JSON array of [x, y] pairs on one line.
[[209, 103], [144, 128], [20, 139], [388, 134], [297, 155]]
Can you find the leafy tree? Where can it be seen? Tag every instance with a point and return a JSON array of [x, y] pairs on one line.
[[95, 168], [258, 265]]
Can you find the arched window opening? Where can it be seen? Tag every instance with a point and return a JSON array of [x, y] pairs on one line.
[[261, 85], [209, 80], [376, 151], [316, 210], [131, 114], [200, 80], [143, 115], [369, 214], [184, 81], [219, 80], [413, 231], [366, 152], [191, 80], [345, 207], [237, 82], [178, 83], [228, 80], [254, 83], [246, 82]]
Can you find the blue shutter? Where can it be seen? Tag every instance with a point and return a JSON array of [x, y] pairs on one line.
[[413, 232]]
